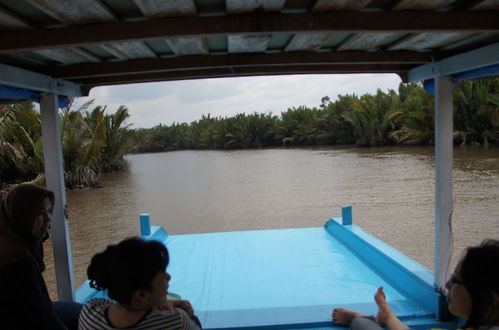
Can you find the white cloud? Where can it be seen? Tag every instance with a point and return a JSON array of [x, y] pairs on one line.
[[184, 101]]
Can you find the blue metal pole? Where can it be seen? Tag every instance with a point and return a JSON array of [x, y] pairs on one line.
[[145, 224], [346, 215]]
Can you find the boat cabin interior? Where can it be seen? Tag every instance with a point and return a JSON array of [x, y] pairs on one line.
[[54, 50]]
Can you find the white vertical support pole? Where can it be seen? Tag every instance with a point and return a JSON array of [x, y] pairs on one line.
[[54, 176], [443, 177]]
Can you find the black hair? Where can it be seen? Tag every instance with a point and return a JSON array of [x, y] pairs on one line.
[[480, 275], [126, 267]]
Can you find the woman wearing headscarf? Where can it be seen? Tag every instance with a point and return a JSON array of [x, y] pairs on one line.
[[25, 216]]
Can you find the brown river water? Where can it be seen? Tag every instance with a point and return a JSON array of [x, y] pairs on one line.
[[391, 190]]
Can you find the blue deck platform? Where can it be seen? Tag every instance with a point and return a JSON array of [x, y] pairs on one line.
[[292, 278]]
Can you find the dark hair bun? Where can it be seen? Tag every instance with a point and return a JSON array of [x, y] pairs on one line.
[[126, 267]]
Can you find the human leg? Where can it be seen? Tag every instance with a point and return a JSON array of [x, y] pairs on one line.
[[364, 323], [344, 316]]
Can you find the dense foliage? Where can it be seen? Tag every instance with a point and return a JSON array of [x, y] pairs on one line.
[[93, 142], [403, 117]]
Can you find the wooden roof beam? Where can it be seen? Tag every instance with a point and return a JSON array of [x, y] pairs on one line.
[[243, 71], [199, 62], [403, 22]]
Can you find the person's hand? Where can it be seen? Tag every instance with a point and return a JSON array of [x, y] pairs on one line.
[[182, 304], [66, 211]]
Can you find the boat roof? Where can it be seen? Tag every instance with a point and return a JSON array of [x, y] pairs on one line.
[[292, 278], [69, 47]]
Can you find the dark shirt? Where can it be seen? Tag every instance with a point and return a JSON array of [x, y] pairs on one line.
[[24, 300]]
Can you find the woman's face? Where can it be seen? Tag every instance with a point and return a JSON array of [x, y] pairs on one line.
[[159, 289], [43, 216], [459, 299]]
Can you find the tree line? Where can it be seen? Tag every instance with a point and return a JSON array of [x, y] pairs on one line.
[[93, 142], [398, 117]]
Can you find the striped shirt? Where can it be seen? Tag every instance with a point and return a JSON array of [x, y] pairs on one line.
[[94, 316]]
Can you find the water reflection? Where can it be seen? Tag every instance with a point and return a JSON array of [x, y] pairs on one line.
[[391, 190]]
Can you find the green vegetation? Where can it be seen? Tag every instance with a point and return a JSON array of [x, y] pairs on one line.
[[92, 141], [403, 117]]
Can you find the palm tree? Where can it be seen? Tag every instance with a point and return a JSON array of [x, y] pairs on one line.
[[116, 141], [20, 155], [415, 117]]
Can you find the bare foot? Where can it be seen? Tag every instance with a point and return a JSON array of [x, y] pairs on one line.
[[344, 316], [384, 310]]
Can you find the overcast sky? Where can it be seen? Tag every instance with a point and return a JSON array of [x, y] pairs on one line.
[[185, 101]]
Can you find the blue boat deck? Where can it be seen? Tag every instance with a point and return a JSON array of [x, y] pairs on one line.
[[292, 278]]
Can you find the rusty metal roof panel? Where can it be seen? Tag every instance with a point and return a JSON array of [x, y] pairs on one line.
[[66, 56], [248, 43], [129, 50], [427, 41], [156, 9], [244, 6], [188, 46], [471, 40], [487, 5], [217, 44], [321, 5], [307, 41], [369, 41], [75, 12], [421, 4], [47, 35], [11, 21]]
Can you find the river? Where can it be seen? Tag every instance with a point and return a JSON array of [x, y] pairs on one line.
[[391, 190]]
